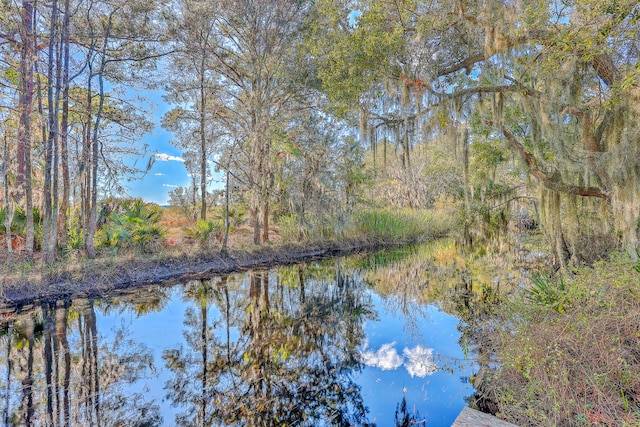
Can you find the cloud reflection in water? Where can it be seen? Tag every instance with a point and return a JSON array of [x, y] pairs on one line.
[[387, 358], [418, 361]]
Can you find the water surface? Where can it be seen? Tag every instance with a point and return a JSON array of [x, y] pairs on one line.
[[364, 340]]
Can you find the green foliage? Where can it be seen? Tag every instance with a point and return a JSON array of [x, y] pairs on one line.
[[19, 221], [487, 155], [19, 224], [548, 292], [401, 225], [353, 51], [75, 239], [135, 228], [206, 232], [3, 216], [289, 226], [237, 216]]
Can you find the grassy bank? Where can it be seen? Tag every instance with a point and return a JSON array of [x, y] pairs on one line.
[[131, 265], [568, 349]]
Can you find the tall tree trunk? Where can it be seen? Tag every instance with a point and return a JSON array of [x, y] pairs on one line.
[[25, 107], [50, 180], [255, 220], [550, 203], [225, 242], [8, 218], [56, 153], [93, 218], [194, 192], [573, 226], [265, 220], [64, 130], [255, 180], [362, 125], [404, 106], [203, 141], [85, 167], [465, 179]]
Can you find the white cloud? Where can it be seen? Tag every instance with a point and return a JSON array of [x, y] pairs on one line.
[[386, 358], [420, 361], [163, 157], [158, 174], [170, 185]]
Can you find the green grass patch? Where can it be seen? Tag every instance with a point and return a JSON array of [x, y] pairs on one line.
[[402, 225]]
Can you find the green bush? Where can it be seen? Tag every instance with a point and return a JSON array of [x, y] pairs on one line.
[[206, 232], [289, 226], [135, 228], [19, 224], [75, 241], [548, 292], [236, 216]]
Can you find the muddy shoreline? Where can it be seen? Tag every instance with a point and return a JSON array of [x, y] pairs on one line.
[[141, 272]]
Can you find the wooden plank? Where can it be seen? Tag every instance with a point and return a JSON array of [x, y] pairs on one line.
[[471, 418]]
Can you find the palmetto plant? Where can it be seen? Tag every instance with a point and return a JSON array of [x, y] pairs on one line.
[[548, 292], [19, 223], [205, 232], [136, 227]]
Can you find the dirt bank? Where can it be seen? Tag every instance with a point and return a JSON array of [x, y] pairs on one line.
[[109, 274]]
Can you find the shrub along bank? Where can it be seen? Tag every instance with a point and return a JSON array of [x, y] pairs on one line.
[[568, 349]]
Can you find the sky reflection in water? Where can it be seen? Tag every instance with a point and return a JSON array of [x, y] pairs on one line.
[[305, 345]]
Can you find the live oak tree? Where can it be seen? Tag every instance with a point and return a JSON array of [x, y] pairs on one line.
[[556, 82], [25, 109], [561, 82]]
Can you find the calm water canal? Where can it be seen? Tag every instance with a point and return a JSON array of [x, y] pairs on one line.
[[365, 340]]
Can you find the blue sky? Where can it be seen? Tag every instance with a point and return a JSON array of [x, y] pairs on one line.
[[168, 171]]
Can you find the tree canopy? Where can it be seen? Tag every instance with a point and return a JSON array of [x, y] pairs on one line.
[[315, 108]]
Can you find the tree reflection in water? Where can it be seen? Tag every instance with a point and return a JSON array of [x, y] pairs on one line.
[[68, 374], [281, 350], [283, 347]]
